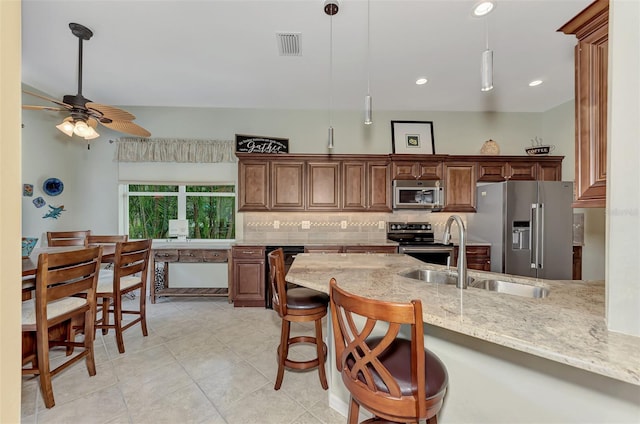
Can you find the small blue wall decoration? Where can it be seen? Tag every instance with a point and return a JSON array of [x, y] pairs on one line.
[[39, 202], [55, 212]]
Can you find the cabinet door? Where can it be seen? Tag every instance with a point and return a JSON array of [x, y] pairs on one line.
[[460, 187], [591, 27], [249, 282], [404, 170], [253, 186], [354, 186], [287, 185], [323, 186], [478, 257], [378, 187], [522, 171], [429, 170], [550, 171], [492, 171]]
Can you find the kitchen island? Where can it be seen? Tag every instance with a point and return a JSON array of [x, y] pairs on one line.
[[510, 358]]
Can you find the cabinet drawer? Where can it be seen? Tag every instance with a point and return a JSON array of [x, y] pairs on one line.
[[166, 255], [214, 255], [190, 255], [248, 252]]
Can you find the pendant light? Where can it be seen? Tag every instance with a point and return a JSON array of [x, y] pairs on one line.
[[330, 8], [367, 98], [486, 70]]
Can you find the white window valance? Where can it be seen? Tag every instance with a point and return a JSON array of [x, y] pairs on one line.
[[134, 149]]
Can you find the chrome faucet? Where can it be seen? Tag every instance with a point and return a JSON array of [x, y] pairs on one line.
[[462, 248]]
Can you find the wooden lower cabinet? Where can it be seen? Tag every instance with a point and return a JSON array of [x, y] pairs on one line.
[[248, 273], [478, 258], [323, 249], [577, 263]]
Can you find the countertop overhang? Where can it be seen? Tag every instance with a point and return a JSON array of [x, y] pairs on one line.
[[567, 326]]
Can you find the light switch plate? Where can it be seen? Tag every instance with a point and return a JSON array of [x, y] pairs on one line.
[[381, 225], [305, 225], [343, 225], [276, 224]]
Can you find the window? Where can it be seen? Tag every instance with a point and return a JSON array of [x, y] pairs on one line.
[[210, 210]]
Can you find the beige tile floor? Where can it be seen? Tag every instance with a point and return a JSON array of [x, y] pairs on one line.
[[204, 361]]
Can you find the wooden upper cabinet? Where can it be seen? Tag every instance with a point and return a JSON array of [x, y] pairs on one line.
[[323, 185], [287, 185], [253, 185], [366, 186], [492, 171], [460, 186], [550, 171], [548, 168], [378, 187], [591, 28], [417, 169], [525, 171]]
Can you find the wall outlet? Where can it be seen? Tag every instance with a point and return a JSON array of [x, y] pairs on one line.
[[305, 225], [343, 225], [381, 225], [276, 224]]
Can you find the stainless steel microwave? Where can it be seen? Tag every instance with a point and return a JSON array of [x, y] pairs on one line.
[[416, 194]]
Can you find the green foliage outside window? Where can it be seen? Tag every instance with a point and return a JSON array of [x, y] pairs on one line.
[[211, 214]]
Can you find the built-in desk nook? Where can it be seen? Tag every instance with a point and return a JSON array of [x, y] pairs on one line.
[[163, 254]]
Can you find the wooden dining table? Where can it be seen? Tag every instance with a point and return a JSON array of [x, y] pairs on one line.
[[30, 264]]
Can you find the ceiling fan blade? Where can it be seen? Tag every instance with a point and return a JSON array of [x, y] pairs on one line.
[[127, 127], [32, 107], [110, 112], [40, 96]]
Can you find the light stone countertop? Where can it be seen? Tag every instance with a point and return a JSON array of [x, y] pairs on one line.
[[567, 326]]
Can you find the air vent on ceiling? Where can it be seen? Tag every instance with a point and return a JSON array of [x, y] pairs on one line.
[[289, 43]]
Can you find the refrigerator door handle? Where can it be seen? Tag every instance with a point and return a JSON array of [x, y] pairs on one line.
[[533, 238], [541, 239]]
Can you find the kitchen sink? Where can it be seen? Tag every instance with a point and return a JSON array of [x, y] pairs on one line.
[[509, 287], [437, 277]]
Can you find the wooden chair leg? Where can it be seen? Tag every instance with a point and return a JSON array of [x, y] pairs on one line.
[[433, 420], [321, 357], [283, 351], [143, 313], [105, 315], [354, 411], [89, 336], [43, 366], [117, 321]]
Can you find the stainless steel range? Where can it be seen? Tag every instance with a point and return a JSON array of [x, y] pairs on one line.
[[416, 239]]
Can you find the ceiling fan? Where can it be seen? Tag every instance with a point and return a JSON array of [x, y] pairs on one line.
[[85, 114]]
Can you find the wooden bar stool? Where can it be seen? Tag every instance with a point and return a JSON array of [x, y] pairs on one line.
[[297, 304], [395, 379]]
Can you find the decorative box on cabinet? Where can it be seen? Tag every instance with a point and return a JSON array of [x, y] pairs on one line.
[[591, 28], [248, 275]]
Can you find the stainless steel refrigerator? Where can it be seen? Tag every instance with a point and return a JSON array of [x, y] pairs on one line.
[[529, 225]]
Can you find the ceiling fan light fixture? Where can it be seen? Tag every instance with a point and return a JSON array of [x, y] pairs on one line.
[[91, 134], [66, 126], [81, 128]]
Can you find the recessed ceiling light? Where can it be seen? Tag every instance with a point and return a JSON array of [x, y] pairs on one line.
[[421, 81], [483, 8], [535, 82]]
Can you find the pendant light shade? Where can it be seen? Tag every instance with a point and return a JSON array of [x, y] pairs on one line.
[[367, 110], [367, 99], [487, 70], [330, 8]]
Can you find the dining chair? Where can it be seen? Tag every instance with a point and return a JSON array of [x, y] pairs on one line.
[[298, 304], [46, 319], [67, 238], [130, 269], [394, 378], [106, 239]]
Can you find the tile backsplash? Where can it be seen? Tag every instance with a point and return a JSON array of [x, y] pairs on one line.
[[332, 227]]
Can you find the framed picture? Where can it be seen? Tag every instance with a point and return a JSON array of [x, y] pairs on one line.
[[412, 137], [260, 144]]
